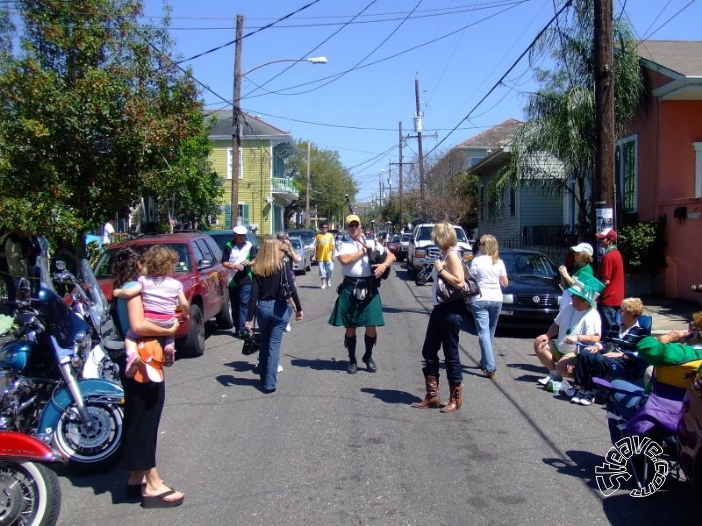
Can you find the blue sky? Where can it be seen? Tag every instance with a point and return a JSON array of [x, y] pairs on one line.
[[457, 49]]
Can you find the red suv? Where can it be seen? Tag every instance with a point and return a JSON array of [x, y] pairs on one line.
[[204, 281]]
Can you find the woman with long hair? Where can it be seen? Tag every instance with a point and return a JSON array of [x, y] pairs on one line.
[[491, 274], [143, 402], [444, 324], [270, 307]]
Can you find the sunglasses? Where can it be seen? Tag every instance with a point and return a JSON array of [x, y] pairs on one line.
[[354, 225]]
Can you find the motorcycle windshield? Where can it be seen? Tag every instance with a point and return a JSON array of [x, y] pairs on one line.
[[46, 281], [99, 308]]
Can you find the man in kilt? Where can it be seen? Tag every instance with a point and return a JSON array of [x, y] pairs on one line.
[[358, 304]]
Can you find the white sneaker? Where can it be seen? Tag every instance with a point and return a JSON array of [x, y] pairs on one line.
[[324, 286], [288, 328], [280, 368], [586, 398]]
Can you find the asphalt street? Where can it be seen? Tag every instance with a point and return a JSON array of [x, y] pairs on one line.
[[330, 448]]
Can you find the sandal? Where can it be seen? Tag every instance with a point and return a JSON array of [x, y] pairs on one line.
[[132, 365], [159, 501]]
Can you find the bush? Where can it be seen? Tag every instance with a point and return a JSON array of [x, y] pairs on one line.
[[643, 247]]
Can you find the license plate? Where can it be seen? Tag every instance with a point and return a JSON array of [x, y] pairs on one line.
[[507, 312]]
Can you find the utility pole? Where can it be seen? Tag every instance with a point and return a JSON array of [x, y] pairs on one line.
[[604, 111], [400, 183], [380, 188], [307, 189], [418, 131], [236, 127]]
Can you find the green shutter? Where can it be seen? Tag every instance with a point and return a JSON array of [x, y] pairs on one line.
[[228, 216]]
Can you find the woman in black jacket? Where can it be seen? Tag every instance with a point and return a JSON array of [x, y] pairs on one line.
[[269, 303]]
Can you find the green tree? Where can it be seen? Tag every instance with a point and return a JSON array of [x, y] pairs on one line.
[[95, 115], [330, 182], [560, 125]]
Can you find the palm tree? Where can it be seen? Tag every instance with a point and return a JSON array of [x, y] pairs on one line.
[[560, 130]]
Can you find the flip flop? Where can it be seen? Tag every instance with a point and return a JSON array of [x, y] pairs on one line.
[[159, 501]]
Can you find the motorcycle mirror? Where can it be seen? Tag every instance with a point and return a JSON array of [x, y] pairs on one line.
[[60, 264]]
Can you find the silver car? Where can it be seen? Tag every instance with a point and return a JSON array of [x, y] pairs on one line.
[[305, 255]]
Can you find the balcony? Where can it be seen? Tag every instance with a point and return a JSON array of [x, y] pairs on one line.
[[284, 187]]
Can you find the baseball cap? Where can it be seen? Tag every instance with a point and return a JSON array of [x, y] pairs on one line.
[[240, 229], [608, 233], [583, 247], [351, 218]]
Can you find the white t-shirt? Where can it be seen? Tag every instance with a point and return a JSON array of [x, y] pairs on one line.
[[571, 321], [107, 231], [488, 275], [360, 268]]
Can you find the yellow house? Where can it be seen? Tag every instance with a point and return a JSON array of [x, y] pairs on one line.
[[264, 190]]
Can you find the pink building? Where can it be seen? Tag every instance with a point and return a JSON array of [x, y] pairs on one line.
[[660, 161]]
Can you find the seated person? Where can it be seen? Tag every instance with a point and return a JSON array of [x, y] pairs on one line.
[[577, 322], [600, 358]]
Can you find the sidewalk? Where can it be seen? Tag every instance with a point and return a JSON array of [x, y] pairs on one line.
[[669, 314]]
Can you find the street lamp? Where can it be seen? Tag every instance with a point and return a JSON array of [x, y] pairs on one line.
[[236, 111]]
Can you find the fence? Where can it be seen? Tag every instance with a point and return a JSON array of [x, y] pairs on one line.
[[552, 240]]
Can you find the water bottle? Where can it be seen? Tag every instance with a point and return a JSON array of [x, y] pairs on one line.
[[553, 386]]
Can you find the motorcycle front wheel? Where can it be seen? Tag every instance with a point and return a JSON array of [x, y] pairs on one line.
[[30, 494], [92, 446]]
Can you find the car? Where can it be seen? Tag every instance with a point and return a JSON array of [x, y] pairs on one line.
[[223, 236], [404, 246], [305, 263], [421, 250], [202, 274], [307, 238], [394, 246], [690, 433], [533, 297]]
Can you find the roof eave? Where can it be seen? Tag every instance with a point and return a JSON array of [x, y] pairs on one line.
[[685, 88]]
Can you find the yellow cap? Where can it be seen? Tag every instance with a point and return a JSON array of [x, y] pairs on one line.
[[351, 218]]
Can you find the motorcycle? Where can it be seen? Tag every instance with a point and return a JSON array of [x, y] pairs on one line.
[[424, 274], [40, 393], [88, 302], [30, 493]]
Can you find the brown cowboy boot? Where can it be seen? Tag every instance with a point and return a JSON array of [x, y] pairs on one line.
[[431, 399], [456, 399]]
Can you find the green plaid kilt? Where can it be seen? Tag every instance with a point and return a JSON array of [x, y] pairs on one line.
[[351, 312]]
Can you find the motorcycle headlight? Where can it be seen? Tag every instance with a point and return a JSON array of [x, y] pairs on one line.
[[508, 298]]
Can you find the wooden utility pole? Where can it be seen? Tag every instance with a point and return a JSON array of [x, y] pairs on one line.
[[418, 131], [604, 193], [236, 125], [400, 183], [307, 189]]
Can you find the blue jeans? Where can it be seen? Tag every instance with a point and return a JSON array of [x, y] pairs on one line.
[[239, 298], [272, 317], [608, 315], [486, 314], [326, 269], [442, 331]]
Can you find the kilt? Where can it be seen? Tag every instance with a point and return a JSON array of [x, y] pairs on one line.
[[350, 312]]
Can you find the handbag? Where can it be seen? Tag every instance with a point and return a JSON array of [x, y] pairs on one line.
[[284, 288], [253, 343], [445, 293]]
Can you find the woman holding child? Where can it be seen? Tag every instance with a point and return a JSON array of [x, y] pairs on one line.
[[144, 401]]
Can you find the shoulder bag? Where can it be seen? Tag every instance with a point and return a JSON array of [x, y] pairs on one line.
[[253, 343], [446, 293], [284, 288]]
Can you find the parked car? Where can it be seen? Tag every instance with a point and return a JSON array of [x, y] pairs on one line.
[[204, 281], [690, 433], [421, 250], [533, 296], [305, 254], [307, 238], [394, 246], [404, 246], [222, 236]]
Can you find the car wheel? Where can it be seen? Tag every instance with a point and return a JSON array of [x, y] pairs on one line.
[[302, 271], [309, 265], [224, 318], [194, 341]]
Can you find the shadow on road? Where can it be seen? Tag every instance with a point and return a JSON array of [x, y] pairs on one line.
[[320, 365], [392, 396]]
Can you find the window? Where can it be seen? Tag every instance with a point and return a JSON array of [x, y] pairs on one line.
[[512, 202], [627, 172], [229, 163], [481, 198], [474, 160]]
